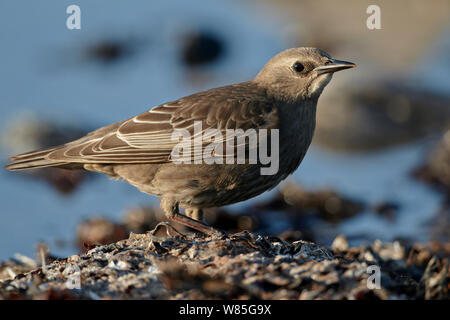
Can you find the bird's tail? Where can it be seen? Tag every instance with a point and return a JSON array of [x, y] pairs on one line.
[[32, 160]]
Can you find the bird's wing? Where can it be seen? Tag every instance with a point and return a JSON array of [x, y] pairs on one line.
[[148, 137]]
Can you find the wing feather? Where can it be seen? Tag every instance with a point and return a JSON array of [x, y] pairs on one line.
[[147, 138]]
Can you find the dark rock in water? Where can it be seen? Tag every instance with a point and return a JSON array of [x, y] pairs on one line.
[[327, 204], [99, 231], [200, 48], [29, 132], [227, 221], [379, 114], [142, 219], [436, 170], [295, 235], [236, 266], [111, 51], [108, 51], [65, 181], [387, 209]]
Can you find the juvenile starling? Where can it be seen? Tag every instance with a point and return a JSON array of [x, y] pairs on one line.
[[282, 97]]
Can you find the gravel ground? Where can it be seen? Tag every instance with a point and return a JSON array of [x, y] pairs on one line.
[[237, 266]]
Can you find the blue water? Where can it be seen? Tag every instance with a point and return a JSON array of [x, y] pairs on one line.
[[44, 68]]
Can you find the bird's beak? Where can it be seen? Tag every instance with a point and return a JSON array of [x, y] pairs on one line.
[[334, 66]]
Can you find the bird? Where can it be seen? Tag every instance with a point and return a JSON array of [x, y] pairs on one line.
[[281, 98]]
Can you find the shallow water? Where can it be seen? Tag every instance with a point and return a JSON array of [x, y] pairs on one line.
[[45, 69]]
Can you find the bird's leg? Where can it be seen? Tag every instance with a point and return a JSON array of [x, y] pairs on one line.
[[197, 225], [194, 213], [171, 210]]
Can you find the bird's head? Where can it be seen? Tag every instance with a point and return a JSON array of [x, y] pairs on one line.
[[300, 73]]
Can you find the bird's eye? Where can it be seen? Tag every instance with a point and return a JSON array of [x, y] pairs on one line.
[[298, 67], [328, 62]]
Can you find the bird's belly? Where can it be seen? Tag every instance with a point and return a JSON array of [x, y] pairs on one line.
[[203, 185], [206, 186]]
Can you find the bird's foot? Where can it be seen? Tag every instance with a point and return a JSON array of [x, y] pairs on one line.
[[170, 232]]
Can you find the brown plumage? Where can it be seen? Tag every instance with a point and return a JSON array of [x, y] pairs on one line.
[[282, 96]]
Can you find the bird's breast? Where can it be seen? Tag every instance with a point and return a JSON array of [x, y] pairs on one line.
[[296, 132]]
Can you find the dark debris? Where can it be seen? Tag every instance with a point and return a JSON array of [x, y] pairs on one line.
[[237, 266]]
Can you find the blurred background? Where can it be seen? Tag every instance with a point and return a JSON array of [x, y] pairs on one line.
[[379, 166]]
